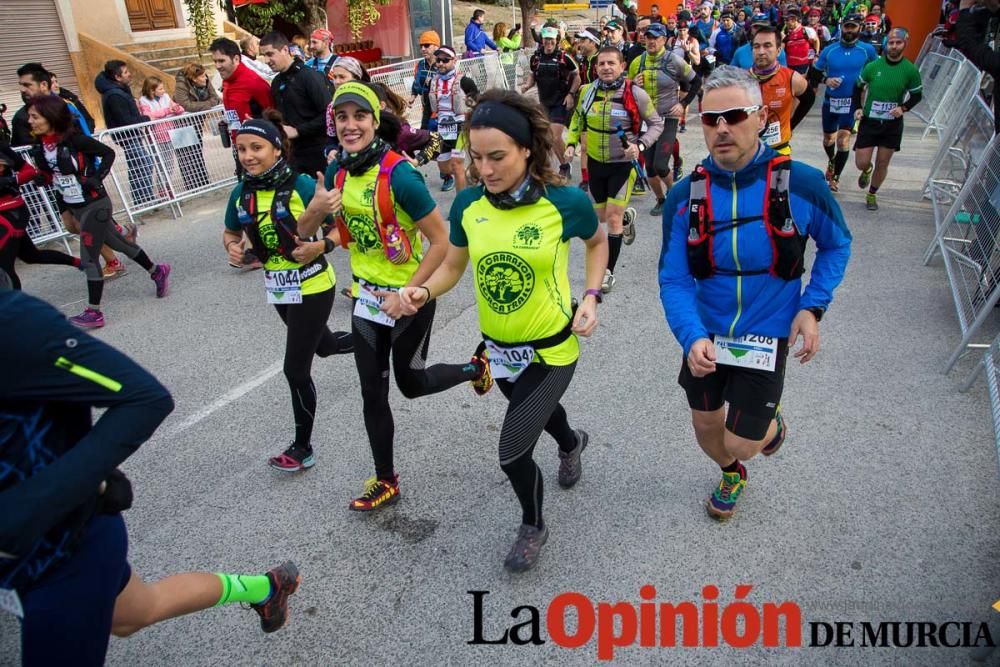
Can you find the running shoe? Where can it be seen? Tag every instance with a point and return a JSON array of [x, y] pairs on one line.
[[678, 169], [779, 437], [89, 319], [570, 467], [114, 269], [638, 188], [608, 283], [865, 178], [293, 459], [628, 226], [585, 186], [161, 276], [722, 503], [871, 203], [834, 184], [378, 492], [273, 611], [830, 170], [526, 548], [658, 209], [448, 184], [483, 382]]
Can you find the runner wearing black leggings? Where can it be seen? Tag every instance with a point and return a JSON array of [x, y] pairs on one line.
[[267, 205], [385, 206], [70, 160], [526, 310], [15, 243]]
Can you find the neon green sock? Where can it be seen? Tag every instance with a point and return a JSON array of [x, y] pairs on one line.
[[243, 588]]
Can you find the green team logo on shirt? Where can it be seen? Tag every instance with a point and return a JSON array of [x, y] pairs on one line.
[[528, 236], [268, 235], [505, 281], [368, 195], [362, 230]]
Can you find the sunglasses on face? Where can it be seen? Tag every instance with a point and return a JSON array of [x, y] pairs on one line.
[[731, 116], [426, 46], [443, 60]]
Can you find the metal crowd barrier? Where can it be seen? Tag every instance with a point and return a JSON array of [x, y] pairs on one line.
[[961, 150], [45, 223], [962, 90], [937, 72], [163, 162], [932, 44], [991, 364], [487, 71], [969, 243]]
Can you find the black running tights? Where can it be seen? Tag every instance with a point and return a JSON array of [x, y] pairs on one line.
[[534, 406], [307, 335], [407, 342], [16, 244]]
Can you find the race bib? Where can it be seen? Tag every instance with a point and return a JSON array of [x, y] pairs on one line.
[[10, 602], [617, 113], [448, 128], [233, 120], [507, 363], [840, 105], [283, 287], [772, 134], [369, 307], [69, 187], [709, 58], [881, 110], [749, 351]]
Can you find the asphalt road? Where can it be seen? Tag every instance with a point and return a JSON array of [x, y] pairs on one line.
[[881, 506]]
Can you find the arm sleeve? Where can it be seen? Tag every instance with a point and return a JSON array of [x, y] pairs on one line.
[[693, 88], [828, 230], [43, 368], [410, 191], [456, 233], [578, 216], [231, 219], [654, 122], [677, 285], [970, 35]]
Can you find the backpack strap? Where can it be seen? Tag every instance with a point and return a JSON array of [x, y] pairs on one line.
[[701, 260], [628, 101], [395, 242], [787, 244], [344, 232]]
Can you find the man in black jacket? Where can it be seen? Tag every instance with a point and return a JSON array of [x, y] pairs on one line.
[[63, 544], [33, 79], [973, 18], [74, 99], [301, 95], [120, 109]]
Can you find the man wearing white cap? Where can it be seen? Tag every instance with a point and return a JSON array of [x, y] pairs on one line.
[[558, 82], [448, 106]]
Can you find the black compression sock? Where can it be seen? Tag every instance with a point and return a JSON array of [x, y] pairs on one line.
[[143, 260], [840, 162], [95, 288], [830, 150], [735, 466], [614, 249], [872, 189]]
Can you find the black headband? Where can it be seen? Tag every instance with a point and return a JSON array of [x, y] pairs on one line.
[[510, 121], [263, 129]]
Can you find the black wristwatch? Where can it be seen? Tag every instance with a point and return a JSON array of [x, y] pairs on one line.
[[328, 245], [817, 312]]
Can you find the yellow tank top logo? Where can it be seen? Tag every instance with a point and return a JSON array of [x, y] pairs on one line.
[[528, 236], [505, 281]]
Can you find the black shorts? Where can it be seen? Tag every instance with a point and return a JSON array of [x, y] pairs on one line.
[[610, 182], [658, 155], [881, 133], [558, 114], [753, 395]]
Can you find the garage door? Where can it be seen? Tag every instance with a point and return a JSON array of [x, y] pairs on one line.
[[30, 31]]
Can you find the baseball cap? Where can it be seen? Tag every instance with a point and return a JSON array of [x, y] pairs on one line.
[[446, 51], [854, 18], [613, 24], [793, 11], [589, 33], [656, 30], [360, 94], [760, 19], [550, 33], [728, 14]]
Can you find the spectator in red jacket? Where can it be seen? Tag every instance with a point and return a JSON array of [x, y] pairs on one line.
[[244, 94]]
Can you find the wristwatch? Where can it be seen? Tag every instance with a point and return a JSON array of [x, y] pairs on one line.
[[642, 146], [596, 293], [817, 312]]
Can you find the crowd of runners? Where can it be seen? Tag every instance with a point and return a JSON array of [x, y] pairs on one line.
[[735, 229]]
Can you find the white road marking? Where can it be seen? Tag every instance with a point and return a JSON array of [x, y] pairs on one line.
[[231, 396]]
